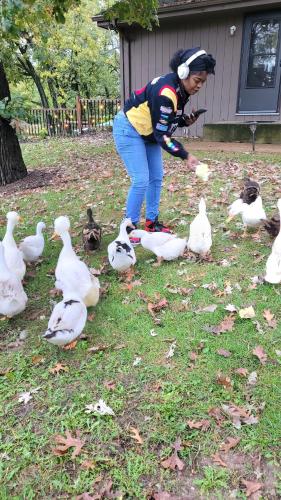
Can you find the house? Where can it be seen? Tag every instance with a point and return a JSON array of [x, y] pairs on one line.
[[243, 36]]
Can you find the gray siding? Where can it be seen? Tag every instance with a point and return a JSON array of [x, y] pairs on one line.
[[150, 53]]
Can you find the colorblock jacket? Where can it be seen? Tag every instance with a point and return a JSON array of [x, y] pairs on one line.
[[156, 110]]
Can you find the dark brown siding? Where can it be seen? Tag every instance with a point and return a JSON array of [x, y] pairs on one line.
[[151, 52]]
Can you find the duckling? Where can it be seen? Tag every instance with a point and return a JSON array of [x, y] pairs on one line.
[[165, 246], [71, 273], [13, 298], [67, 321], [121, 254], [32, 246], [91, 234], [272, 226], [273, 264], [13, 256], [200, 235]]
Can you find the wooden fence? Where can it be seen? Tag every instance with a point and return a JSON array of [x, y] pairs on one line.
[[88, 116]]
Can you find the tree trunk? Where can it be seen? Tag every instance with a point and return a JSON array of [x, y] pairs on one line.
[[12, 166], [53, 93], [30, 70]]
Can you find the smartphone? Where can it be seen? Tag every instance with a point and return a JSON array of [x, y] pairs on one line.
[[199, 112], [195, 113]]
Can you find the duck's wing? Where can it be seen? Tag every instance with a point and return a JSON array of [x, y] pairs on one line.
[[66, 315]]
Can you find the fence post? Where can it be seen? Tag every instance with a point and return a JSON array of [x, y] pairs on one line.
[[79, 113]]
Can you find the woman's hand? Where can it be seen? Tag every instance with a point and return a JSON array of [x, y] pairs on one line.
[[190, 119], [192, 162]]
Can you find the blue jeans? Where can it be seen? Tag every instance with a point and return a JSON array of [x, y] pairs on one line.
[[144, 165]]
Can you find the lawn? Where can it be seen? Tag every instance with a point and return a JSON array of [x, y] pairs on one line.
[[189, 426]]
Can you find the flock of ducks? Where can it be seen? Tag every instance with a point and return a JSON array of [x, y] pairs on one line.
[[81, 289]]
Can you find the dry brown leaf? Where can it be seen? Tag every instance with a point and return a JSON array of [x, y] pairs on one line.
[[217, 459], [247, 313], [63, 444], [158, 306], [267, 314], [243, 372], [36, 360], [193, 356], [59, 368], [231, 443], [225, 381], [251, 486], [136, 435], [109, 384], [88, 464], [6, 370], [201, 424], [91, 317], [99, 348], [224, 353], [239, 415], [174, 462], [217, 415], [259, 352], [211, 308], [226, 325]]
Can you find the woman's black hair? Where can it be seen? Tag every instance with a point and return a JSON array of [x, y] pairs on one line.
[[206, 62]]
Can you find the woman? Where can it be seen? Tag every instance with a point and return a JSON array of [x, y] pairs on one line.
[[145, 127]]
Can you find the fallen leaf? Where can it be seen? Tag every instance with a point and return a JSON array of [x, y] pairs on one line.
[[109, 384], [243, 372], [224, 353], [259, 352], [99, 348], [217, 459], [211, 308], [230, 308], [5, 371], [217, 415], [247, 313], [59, 368], [239, 415], [154, 308], [267, 314], [174, 462], [226, 325], [193, 356], [171, 351], [251, 486], [91, 317], [37, 360], [64, 443], [100, 407], [88, 464], [252, 379], [136, 435], [24, 397], [230, 443], [224, 380], [201, 424]]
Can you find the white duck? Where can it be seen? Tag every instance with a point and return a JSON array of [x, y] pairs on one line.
[[71, 273], [200, 232], [273, 264], [32, 246], [165, 246], [67, 321], [252, 215], [121, 254], [13, 256], [13, 298]]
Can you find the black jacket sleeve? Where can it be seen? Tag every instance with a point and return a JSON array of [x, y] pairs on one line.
[[163, 122]]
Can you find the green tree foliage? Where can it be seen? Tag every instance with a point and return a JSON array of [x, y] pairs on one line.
[[142, 12]]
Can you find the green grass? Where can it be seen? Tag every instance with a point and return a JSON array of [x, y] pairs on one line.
[[158, 396]]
